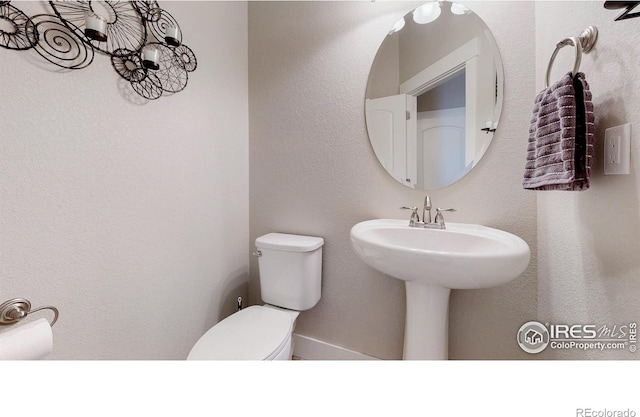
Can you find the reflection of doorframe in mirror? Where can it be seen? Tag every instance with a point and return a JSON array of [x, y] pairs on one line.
[[465, 58], [387, 126]]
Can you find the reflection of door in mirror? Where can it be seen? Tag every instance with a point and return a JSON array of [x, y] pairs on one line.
[[441, 147], [388, 133], [441, 142], [453, 81]]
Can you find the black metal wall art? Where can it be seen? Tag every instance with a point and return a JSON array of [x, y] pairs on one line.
[[17, 30], [60, 46], [125, 26], [70, 36], [628, 7]]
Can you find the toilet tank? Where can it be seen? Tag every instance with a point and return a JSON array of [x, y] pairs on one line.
[[290, 268]]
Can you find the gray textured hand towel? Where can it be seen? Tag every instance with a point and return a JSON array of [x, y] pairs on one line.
[[561, 137]]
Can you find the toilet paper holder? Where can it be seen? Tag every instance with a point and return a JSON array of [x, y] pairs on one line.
[[14, 310]]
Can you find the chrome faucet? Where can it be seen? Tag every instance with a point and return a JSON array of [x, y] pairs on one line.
[[414, 221], [438, 221], [427, 207]]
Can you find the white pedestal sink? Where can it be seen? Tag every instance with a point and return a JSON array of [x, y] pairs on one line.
[[432, 262]]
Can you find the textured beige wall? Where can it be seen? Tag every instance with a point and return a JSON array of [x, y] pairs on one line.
[[589, 241], [312, 170], [130, 218]]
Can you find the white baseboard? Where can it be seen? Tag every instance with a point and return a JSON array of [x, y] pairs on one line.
[[307, 348]]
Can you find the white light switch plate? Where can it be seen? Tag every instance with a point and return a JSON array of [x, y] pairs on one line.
[[617, 149]]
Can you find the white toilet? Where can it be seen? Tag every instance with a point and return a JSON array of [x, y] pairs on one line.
[[290, 274]]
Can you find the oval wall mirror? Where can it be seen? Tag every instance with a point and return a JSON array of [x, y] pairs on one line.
[[434, 95]]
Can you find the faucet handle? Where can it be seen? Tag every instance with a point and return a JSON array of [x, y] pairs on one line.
[[414, 215], [440, 218]]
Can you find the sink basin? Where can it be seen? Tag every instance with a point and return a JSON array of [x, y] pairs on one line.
[[462, 256], [432, 262]]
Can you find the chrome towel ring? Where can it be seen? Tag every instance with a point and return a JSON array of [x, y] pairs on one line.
[[583, 43], [14, 310]]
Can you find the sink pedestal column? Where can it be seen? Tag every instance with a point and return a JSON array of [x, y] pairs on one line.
[[426, 332]]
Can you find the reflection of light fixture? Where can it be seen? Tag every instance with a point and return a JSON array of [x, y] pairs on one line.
[[457, 8], [397, 27], [426, 13]]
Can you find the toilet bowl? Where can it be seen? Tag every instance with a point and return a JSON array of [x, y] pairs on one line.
[[290, 269], [254, 333]]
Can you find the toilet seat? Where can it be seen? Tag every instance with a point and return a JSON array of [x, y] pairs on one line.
[[254, 333]]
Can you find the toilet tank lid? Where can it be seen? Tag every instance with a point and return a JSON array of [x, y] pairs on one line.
[[287, 242]]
